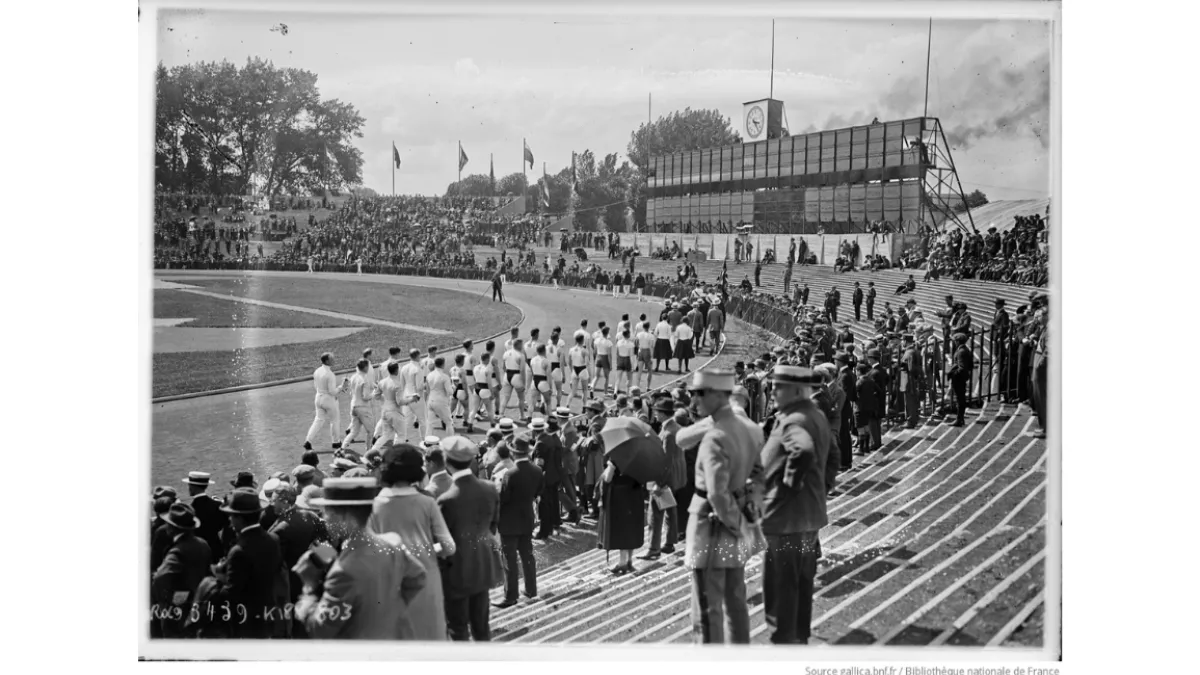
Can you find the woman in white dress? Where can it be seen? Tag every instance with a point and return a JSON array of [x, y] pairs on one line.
[[414, 516]]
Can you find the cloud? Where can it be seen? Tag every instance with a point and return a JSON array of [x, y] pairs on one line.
[[466, 68]]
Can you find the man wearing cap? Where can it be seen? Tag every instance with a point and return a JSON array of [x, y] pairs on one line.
[[960, 375], [560, 425], [870, 297], [794, 508], [912, 377], [591, 453], [857, 299], [471, 508], [721, 508], [999, 342], [327, 418], [716, 324], [848, 383], [174, 582], [363, 593], [210, 520], [878, 374], [519, 487], [247, 576], [548, 456], [414, 391], [867, 410]]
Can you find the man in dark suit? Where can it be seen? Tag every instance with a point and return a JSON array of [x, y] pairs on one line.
[[857, 299], [849, 383], [960, 375], [1000, 345], [867, 410], [871, 301], [912, 376], [296, 529], [246, 577], [519, 486], [471, 509], [879, 376], [186, 563], [208, 512], [548, 456]]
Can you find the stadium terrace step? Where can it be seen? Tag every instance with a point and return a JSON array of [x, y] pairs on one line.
[[951, 511]]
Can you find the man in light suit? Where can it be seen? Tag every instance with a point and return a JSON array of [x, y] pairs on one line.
[[435, 468], [519, 487], [471, 509], [364, 593], [174, 583], [728, 475]]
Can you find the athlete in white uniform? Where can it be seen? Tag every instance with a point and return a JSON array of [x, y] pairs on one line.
[[530, 352], [555, 354], [412, 378], [391, 421], [361, 393], [539, 366], [328, 416], [441, 393], [483, 380], [468, 381], [626, 354], [645, 350], [381, 374], [603, 347], [427, 362], [514, 378], [577, 361]]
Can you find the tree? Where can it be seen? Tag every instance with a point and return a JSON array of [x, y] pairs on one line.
[[510, 184], [974, 200], [474, 185], [676, 132], [226, 130]]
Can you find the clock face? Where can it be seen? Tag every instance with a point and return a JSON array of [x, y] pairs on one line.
[[754, 122]]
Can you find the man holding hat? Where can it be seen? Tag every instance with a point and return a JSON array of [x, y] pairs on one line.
[[471, 508], [209, 518], [247, 576], [717, 552], [519, 487], [794, 508], [173, 585], [547, 456], [363, 593]]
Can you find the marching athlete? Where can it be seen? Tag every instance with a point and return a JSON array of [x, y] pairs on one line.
[[361, 393], [441, 393], [327, 418]]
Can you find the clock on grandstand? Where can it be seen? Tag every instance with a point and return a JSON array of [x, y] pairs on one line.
[[762, 119]]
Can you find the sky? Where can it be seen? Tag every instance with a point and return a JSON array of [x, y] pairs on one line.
[[569, 83]]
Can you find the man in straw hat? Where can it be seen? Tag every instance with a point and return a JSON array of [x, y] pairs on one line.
[[471, 508], [174, 583], [208, 511], [548, 456], [726, 461], [363, 593], [794, 459], [246, 577]]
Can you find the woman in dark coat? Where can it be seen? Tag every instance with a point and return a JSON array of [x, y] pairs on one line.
[[622, 516]]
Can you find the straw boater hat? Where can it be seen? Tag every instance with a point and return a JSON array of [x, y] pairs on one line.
[[713, 379], [506, 425], [431, 442], [537, 424], [182, 516], [347, 492], [198, 478], [563, 413]]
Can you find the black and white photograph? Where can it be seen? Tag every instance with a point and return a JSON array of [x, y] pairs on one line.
[[603, 329]]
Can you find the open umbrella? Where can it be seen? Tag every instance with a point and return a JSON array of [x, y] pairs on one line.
[[634, 447]]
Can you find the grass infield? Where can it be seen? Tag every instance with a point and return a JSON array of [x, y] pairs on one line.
[[189, 372]]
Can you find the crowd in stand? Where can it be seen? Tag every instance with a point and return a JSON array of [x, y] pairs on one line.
[[1016, 256]]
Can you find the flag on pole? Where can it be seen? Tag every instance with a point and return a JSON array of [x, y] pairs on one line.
[[395, 155], [545, 189], [528, 155], [462, 157]]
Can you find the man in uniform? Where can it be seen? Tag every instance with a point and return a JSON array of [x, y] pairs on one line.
[[328, 415], [857, 299], [717, 550], [794, 508], [391, 422], [441, 393]]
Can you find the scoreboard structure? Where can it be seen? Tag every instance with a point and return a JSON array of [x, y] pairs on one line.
[[837, 181]]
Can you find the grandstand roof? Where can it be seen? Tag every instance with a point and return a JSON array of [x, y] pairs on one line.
[[1000, 214]]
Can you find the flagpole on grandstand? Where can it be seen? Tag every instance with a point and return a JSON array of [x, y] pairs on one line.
[[524, 178], [459, 158], [772, 94], [393, 168], [928, 53]]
